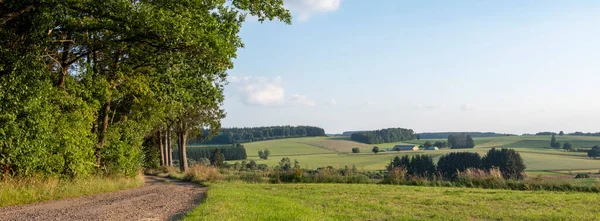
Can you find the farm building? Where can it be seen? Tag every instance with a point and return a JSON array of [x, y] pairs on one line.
[[406, 147], [433, 148]]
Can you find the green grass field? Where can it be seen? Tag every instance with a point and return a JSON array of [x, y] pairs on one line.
[[239, 201], [317, 152]]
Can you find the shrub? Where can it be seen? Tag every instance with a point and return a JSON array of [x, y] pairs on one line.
[[448, 165], [582, 175], [395, 176], [264, 154], [355, 150], [217, 159]]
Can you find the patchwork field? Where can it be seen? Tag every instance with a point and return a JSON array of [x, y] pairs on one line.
[[239, 201], [317, 152]]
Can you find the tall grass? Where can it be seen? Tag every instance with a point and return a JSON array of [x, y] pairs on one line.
[[16, 191]]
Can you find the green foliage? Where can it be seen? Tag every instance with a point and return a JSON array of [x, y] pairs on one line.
[[198, 153], [508, 161], [355, 150], [582, 175], [418, 166], [217, 159], [251, 134], [594, 152], [553, 142], [567, 146], [375, 149], [459, 141], [264, 154], [383, 135], [441, 144], [451, 164], [427, 144], [83, 82]]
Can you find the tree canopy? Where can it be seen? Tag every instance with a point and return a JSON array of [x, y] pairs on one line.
[[383, 135], [83, 82]]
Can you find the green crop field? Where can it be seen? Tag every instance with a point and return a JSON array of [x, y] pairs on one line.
[[317, 152], [239, 201]]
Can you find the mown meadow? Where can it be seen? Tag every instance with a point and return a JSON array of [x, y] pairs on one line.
[[242, 201]]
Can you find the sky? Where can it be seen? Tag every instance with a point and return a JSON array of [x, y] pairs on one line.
[[509, 66]]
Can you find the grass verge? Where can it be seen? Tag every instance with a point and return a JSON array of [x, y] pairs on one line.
[[24, 191], [242, 201]]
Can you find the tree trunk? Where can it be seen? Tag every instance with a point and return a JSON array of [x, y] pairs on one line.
[[181, 140], [104, 129], [169, 149], [160, 148]]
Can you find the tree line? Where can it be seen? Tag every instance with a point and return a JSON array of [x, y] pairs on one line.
[[383, 135], [251, 134], [449, 166], [441, 135], [85, 84], [230, 152]]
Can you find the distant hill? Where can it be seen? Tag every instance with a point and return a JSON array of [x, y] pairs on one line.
[[439, 135]]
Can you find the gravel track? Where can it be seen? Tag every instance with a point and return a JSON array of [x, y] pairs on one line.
[[158, 199]]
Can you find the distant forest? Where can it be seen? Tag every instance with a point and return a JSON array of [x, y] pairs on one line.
[[570, 134], [250, 134], [383, 135], [444, 135]]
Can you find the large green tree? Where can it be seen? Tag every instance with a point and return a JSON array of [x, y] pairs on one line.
[[83, 82]]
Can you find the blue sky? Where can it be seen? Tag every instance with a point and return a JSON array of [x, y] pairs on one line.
[[505, 66]]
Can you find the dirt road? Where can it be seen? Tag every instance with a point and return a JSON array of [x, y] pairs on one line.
[[158, 199]]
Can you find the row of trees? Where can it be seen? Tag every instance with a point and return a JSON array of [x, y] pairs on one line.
[[507, 161], [441, 135], [458, 141], [198, 153], [438, 144], [84, 82], [383, 135], [250, 134]]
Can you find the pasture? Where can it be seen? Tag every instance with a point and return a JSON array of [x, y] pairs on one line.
[[317, 152], [239, 201]]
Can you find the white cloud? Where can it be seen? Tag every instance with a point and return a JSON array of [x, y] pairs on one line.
[[263, 91], [304, 9], [298, 99], [467, 107]]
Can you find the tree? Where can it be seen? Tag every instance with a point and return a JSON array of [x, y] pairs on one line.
[[448, 165], [421, 165], [217, 159], [427, 144], [553, 142], [508, 161], [264, 154], [375, 149], [561, 133], [355, 150], [469, 143], [90, 80], [418, 137], [440, 144], [567, 146], [594, 152]]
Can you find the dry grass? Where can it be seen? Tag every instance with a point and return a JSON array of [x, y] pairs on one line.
[[200, 173], [28, 190]]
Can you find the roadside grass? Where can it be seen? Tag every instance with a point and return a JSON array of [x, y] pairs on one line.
[[241, 201], [24, 191]]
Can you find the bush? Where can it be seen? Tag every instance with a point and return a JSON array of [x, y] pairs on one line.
[[448, 165], [355, 150], [582, 175], [417, 166]]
